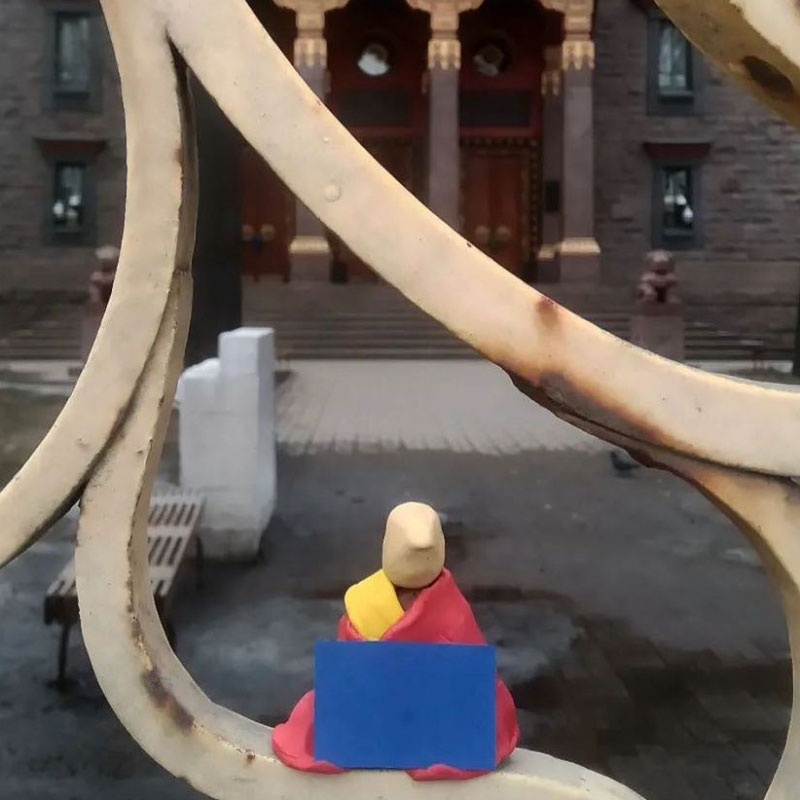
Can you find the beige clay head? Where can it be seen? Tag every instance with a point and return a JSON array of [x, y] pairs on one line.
[[413, 546]]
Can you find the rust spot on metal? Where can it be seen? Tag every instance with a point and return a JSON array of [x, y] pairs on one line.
[[136, 627], [155, 687], [166, 701], [769, 78], [643, 457], [556, 393], [250, 757]]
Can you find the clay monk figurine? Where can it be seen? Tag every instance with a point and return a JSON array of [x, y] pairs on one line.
[[411, 599]]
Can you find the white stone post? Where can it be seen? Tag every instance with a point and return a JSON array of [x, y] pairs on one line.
[[227, 441]]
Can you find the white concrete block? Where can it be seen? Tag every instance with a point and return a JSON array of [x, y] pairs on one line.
[[227, 441], [202, 378]]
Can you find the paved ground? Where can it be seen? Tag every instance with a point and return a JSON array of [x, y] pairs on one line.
[[24, 418], [634, 626], [458, 406], [384, 406]]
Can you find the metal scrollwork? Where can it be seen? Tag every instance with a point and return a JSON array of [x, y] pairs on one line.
[[732, 440]]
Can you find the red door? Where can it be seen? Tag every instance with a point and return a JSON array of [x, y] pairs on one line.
[[267, 218], [495, 206]]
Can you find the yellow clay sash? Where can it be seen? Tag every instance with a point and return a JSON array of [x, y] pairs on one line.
[[372, 605]]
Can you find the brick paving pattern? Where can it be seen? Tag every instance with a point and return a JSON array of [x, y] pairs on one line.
[[634, 626], [381, 406]]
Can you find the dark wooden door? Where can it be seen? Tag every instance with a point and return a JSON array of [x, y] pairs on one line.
[[267, 218], [398, 157], [495, 203]]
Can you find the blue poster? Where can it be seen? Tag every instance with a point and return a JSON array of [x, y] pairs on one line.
[[399, 705]]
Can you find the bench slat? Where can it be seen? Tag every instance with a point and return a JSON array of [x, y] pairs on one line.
[[171, 525]]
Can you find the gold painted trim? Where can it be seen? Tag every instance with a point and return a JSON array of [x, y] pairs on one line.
[[551, 83], [310, 51], [444, 54], [578, 54], [547, 252], [444, 6], [309, 246], [578, 246], [578, 19], [444, 48], [551, 75]]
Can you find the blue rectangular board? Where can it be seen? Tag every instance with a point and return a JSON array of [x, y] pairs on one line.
[[400, 705]]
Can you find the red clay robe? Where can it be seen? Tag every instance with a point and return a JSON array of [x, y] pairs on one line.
[[439, 615]]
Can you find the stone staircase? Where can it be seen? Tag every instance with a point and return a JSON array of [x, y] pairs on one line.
[[346, 322], [357, 322], [38, 330]]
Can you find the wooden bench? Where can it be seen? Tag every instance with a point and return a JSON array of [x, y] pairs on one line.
[[171, 527]]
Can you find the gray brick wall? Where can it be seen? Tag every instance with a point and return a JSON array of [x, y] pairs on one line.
[[27, 261], [750, 179]]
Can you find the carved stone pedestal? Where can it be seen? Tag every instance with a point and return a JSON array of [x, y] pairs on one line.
[[660, 328]]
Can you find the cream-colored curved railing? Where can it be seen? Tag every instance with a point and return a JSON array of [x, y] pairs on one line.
[[154, 246], [732, 440]]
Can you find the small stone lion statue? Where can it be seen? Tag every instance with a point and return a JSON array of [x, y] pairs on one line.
[[658, 284]]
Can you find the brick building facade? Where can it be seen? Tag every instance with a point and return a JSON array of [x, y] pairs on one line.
[[749, 240], [526, 89], [35, 135]]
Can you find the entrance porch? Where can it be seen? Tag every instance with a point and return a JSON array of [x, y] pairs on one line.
[[482, 109]]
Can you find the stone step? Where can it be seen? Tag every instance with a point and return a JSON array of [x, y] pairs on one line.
[[449, 343], [34, 337], [34, 343], [363, 322], [291, 319], [701, 351], [335, 340], [315, 328], [363, 353], [292, 312], [700, 354], [306, 318]]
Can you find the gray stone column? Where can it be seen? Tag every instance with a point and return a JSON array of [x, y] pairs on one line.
[[444, 160], [309, 252], [552, 165], [578, 251], [444, 65]]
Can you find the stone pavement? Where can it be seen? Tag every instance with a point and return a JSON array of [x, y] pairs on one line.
[[634, 626], [379, 406]]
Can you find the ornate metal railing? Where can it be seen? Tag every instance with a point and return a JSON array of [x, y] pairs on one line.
[[734, 441]]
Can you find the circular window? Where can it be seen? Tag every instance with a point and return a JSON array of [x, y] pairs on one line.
[[491, 58], [374, 60]]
